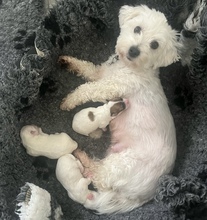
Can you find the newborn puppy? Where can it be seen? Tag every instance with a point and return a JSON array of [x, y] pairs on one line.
[[68, 173], [53, 146], [90, 121]]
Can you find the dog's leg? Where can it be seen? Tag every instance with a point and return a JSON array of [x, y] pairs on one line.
[[86, 162], [85, 69], [193, 21], [80, 166], [99, 91], [82, 157], [188, 35]]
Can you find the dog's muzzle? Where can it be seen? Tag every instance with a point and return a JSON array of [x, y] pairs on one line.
[[133, 52]]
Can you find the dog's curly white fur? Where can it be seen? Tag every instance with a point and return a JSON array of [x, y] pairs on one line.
[[143, 140]]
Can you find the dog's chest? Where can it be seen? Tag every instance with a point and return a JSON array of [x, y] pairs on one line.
[[142, 81]]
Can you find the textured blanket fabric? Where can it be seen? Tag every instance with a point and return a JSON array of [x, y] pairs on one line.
[[32, 86]]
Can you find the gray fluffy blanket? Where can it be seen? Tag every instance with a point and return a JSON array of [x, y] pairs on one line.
[[32, 86]]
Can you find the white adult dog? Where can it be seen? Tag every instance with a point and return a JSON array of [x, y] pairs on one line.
[[143, 140]]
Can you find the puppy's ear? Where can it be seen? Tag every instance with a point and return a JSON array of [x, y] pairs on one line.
[[126, 13], [169, 53]]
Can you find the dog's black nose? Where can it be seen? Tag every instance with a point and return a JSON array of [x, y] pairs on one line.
[[133, 52]]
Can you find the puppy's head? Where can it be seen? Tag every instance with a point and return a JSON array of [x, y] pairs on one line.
[[146, 40], [116, 107], [30, 131]]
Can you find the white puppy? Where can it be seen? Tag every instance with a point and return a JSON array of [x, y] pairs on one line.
[[53, 146], [143, 140], [89, 120], [68, 173]]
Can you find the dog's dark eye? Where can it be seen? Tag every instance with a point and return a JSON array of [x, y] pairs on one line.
[[137, 29], [154, 45]]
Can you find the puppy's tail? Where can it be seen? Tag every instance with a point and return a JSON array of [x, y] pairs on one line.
[[111, 202]]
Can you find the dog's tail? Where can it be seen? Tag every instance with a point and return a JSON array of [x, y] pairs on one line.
[[109, 202]]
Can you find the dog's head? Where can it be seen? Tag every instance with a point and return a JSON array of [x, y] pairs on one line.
[[146, 40]]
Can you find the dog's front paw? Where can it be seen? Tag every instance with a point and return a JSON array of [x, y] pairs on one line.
[[64, 62], [66, 105]]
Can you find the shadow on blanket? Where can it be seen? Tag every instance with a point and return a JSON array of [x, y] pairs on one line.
[[32, 87]]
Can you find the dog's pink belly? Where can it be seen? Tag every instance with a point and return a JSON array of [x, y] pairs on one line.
[[120, 135], [133, 128]]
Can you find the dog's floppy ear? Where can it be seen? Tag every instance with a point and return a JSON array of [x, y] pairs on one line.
[[169, 53], [126, 13]]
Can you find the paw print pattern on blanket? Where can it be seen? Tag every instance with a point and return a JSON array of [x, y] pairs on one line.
[[23, 40]]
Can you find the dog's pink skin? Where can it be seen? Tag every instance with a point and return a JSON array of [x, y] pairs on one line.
[[125, 133]]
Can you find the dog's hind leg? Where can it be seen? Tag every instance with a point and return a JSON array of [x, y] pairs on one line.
[[86, 162], [85, 69], [188, 35], [82, 157], [192, 23]]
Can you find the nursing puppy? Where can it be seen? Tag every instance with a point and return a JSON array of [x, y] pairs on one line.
[[143, 140], [92, 121], [68, 173]]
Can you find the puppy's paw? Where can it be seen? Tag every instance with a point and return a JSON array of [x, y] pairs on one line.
[[96, 134], [64, 62]]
